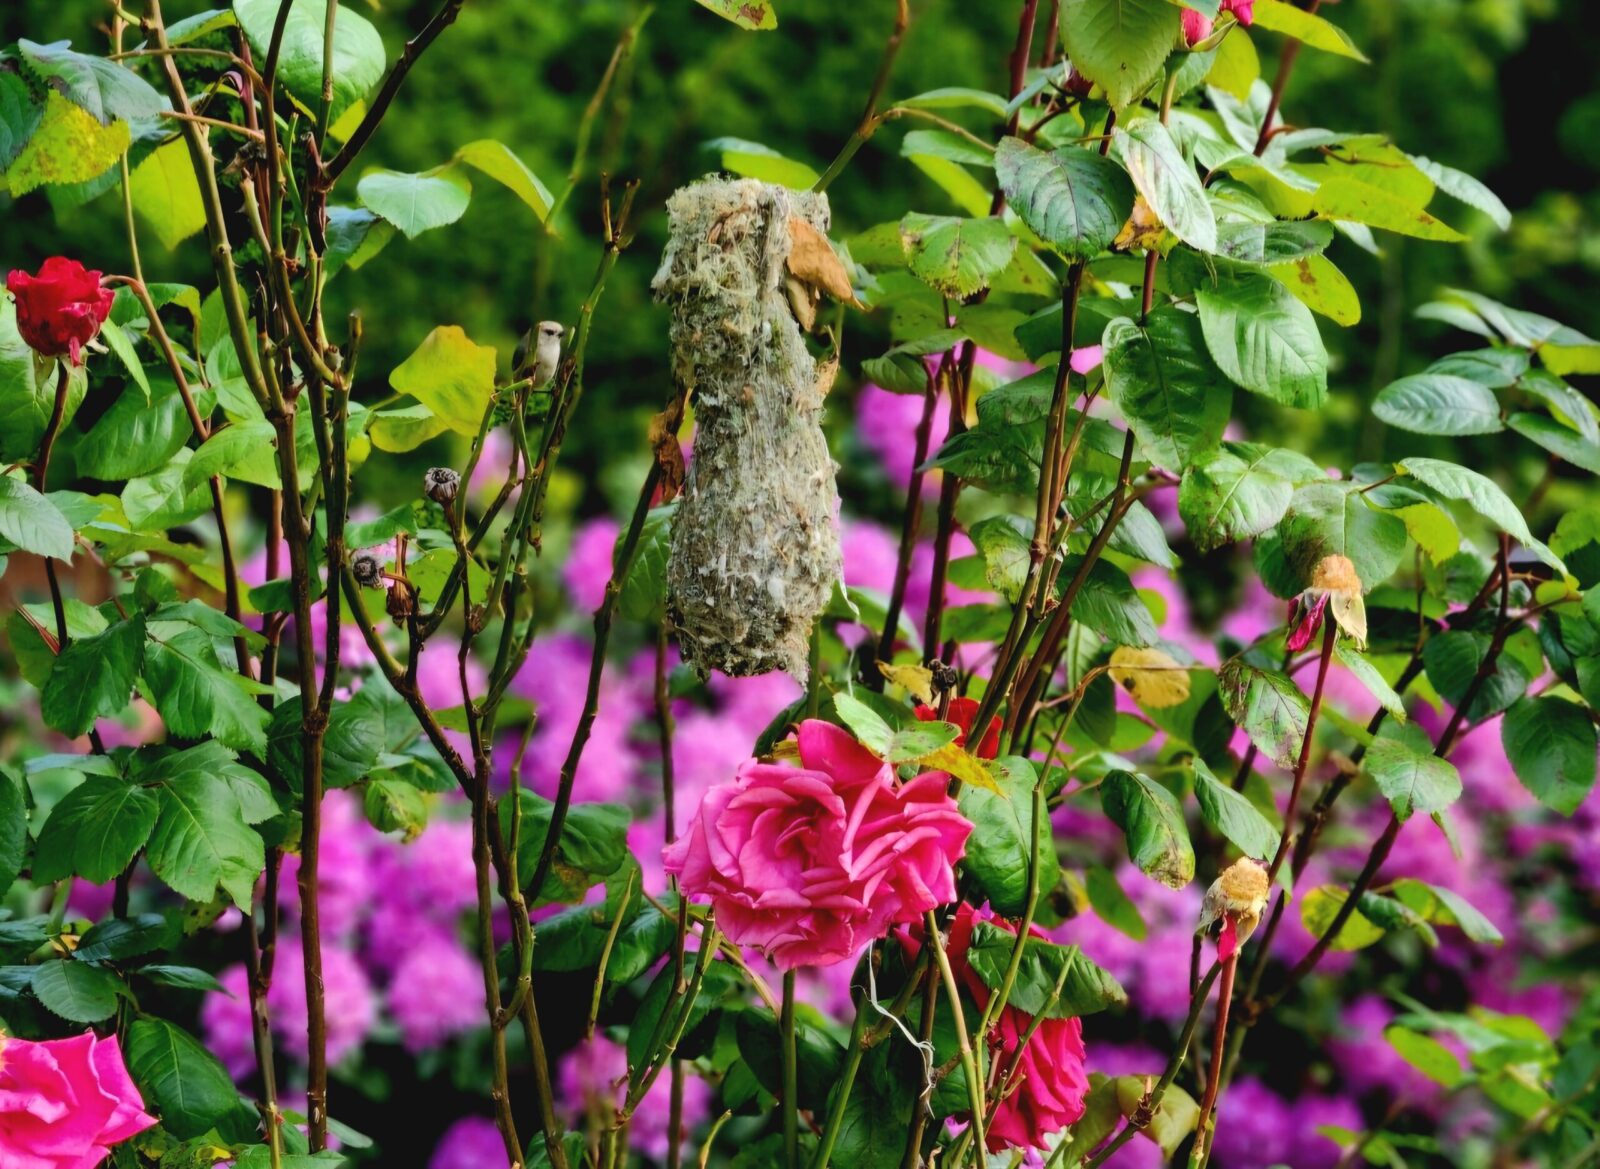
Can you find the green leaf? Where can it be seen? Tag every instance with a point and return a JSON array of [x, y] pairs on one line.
[[1425, 1053], [226, 448], [1453, 659], [355, 235], [1165, 384], [1320, 906], [1498, 369], [117, 938], [1168, 182], [1119, 45], [998, 851], [1152, 823], [1109, 604], [1006, 551], [644, 584], [753, 15], [118, 341], [1462, 186], [1111, 905], [104, 89], [1087, 990], [957, 97], [184, 1082], [1551, 744], [1345, 198], [755, 161], [1074, 199], [416, 203], [945, 144], [358, 58], [1327, 518], [166, 194], [1273, 242], [95, 831], [1238, 491], [1265, 340], [92, 678], [196, 696], [1481, 494], [1410, 780], [13, 830], [819, 1058], [1231, 814], [19, 116], [594, 843], [497, 160], [76, 991], [1433, 403], [404, 429], [138, 435], [1444, 906], [1313, 30], [392, 805], [1268, 707], [1558, 440], [956, 257], [201, 841], [31, 522], [1367, 674], [451, 375]]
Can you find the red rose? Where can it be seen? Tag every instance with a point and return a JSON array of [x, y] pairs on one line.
[[962, 711], [61, 309]]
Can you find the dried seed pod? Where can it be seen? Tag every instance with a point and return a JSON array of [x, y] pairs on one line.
[[755, 546], [367, 569], [440, 484]]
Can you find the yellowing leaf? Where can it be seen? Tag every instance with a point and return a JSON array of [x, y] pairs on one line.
[[755, 15], [1152, 676], [1321, 287], [69, 146], [496, 160], [166, 193], [917, 680], [451, 375], [1433, 530], [965, 767]]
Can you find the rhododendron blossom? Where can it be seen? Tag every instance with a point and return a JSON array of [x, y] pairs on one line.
[[810, 864]]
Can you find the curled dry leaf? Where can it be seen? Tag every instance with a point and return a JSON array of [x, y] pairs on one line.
[[1152, 676], [1143, 229], [813, 261]]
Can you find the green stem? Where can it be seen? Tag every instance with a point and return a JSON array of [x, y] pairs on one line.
[[791, 1078]]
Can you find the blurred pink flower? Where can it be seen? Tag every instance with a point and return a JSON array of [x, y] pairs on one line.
[[347, 997], [588, 567], [887, 424], [593, 1082], [435, 994], [473, 1142]]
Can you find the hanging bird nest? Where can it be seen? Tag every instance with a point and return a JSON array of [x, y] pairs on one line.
[[755, 543]]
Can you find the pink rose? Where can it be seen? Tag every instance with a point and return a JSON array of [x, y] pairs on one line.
[[1243, 10], [811, 864], [65, 1102], [1196, 27], [1050, 1083]]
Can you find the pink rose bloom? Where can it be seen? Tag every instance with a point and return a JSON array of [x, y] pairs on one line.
[[65, 1102], [1051, 1081], [811, 864]]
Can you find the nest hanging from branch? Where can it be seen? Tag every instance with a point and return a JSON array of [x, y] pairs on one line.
[[755, 543]]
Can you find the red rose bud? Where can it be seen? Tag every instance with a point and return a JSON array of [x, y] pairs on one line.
[[60, 309], [1243, 10], [962, 711]]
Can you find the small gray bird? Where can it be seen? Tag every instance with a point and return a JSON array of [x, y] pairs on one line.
[[538, 353]]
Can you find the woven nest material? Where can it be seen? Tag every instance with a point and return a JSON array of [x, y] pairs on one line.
[[755, 544]]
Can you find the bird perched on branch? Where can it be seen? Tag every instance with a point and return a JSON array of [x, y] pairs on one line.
[[538, 353]]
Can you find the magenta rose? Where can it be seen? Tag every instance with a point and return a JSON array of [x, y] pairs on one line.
[[809, 864], [65, 1102], [61, 308]]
